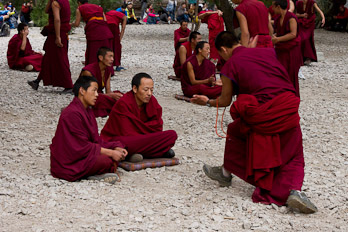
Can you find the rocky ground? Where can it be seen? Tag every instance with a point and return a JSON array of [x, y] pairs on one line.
[[179, 198]]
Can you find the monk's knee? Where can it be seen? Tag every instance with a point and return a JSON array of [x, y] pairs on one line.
[[171, 135]]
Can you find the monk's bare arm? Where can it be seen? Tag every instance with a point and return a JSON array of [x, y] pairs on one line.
[[77, 19], [291, 35], [24, 40], [292, 6], [181, 40], [270, 27], [192, 77], [245, 36], [316, 7], [56, 16], [108, 85], [108, 91], [48, 5], [182, 54], [201, 16], [123, 28], [118, 154]]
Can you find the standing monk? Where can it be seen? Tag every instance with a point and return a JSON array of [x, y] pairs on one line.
[[181, 35], [306, 21], [97, 31], [253, 20], [20, 55], [264, 142], [55, 68], [102, 71], [287, 42], [114, 19]]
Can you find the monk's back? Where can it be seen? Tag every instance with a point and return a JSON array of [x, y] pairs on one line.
[[90, 10]]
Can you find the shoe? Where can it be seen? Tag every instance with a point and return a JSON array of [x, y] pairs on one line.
[[298, 200], [119, 69], [169, 154], [34, 84], [215, 173], [307, 62], [300, 75], [67, 91], [135, 158], [110, 178], [29, 68]]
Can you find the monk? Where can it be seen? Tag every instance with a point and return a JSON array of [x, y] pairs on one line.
[[181, 35], [273, 15], [136, 121], [114, 20], [253, 20], [287, 42], [198, 74], [55, 68], [102, 71], [20, 55], [306, 22], [185, 51], [97, 30], [77, 151], [264, 142]]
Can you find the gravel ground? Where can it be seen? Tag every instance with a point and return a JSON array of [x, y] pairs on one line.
[[179, 198]]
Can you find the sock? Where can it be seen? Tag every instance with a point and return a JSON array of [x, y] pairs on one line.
[[225, 172]]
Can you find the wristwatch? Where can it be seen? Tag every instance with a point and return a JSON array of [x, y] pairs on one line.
[[208, 104]]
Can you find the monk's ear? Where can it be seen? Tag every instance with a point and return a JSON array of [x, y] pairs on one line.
[[82, 91], [100, 58], [134, 88]]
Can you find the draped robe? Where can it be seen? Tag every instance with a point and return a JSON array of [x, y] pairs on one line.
[[178, 34]]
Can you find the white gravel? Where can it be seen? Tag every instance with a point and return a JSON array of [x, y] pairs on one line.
[[179, 198]]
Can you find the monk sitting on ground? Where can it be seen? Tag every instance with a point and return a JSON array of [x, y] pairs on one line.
[[77, 151], [102, 70], [136, 121], [20, 55], [198, 74], [181, 35]]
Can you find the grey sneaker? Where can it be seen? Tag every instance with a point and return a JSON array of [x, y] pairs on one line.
[[110, 178], [215, 173], [135, 158], [298, 200]]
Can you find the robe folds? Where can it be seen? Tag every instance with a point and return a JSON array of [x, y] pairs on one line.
[[264, 142], [104, 103], [97, 31], [178, 34], [114, 19], [18, 59], [55, 67], [177, 65], [306, 29], [140, 129], [76, 146], [289, 52], [202, 72]]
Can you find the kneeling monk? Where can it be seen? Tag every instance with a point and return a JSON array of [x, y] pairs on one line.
[[136, 121], [264, 142], [77, 151], [102, 70], [20, 55], [198, 74]]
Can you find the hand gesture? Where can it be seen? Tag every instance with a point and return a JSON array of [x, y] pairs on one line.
[[323, 22], [305, 15], [116, 96], [274, 39], [118, 154], [211, 80], [199, 100]]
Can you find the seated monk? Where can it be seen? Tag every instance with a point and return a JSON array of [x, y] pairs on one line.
[[185, 51], [20, 55], [198, 74], [136, 121], [77, 151], [102, 70], [181, 35]]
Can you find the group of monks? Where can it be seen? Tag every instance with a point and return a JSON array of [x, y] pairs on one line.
[[264, 141]]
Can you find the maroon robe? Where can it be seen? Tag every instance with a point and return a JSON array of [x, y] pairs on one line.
[[97, 31], [114, 19], [289, 52], [306, 29], [104, 103], [273, 117], [177, 65], [55, 68], [256, 14], [140, 129], [18, 59], [202, 72], [76, 146], [178, 34]]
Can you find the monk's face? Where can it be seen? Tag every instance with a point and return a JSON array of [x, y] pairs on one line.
[[144, 92], [195, 41], [108, 59], [275, 8], [89, 96], [184, 26], [205, 51]]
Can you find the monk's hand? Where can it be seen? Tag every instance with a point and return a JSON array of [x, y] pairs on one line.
[[59, 42], [323, 22], [253, 41], [211, 80], [119, 154], [305, 15], [124, 151], [218, 82], [220, 13], [274, 39], [116, 96], [199, 100]]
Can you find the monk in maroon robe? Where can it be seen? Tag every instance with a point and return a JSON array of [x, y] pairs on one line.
[[253, 20], [181, 35], [136, 121], [55, 68], [77, 151], [20, 55], [287, 42], [306, 22], [198, 74], [290, 7], [264, 142], [97, 30], [102, 71], [185, 51], [114, 20]]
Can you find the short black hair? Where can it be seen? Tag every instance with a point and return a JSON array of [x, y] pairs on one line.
[[282, 3], [200, 45], [183, 21], [226, 39], [82, 1], [102, 52], [21, 27], [124, 6], [137, 79], [84, 82], [193, 35]]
